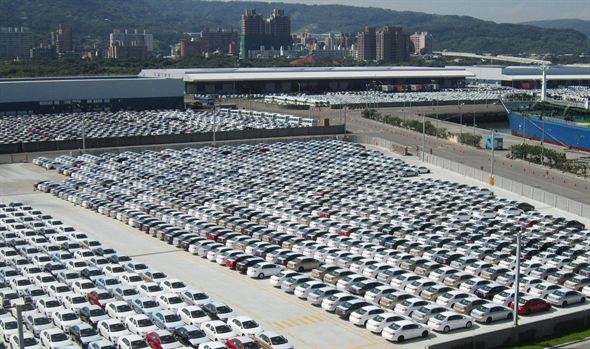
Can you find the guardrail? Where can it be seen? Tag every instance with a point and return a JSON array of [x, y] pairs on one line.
[[534, 193]]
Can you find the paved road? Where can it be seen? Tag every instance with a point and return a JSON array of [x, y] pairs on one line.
[[553, 181]]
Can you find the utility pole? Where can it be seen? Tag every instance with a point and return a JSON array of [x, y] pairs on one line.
[[215, 122], [423, 137], [543, 142], [474, 117], [517, 276], [19, 318], [492, 158]]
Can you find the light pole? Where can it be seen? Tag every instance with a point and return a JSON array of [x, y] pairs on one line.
[[492, 158], [215, 122], [543, 142], [460, 106], [474, 117], [20, 323], [423, 136], [517, 276]]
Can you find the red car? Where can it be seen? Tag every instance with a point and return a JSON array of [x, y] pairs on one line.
[[100, 298], [529, 305], [243, 342], [160, 339], [231, 262]]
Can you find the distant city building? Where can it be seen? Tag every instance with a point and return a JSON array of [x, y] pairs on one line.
[[15, 43], [132, 52], [190, 48], [367, 45], [126, 38], [61, 40], [218, 41], [421, 43], [392, 45], [258, 34], [43, 53]]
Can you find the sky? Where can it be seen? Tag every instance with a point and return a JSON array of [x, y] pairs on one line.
[[502, 11]]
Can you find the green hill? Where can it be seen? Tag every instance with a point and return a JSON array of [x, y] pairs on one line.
[[583, 26], [92, 20]]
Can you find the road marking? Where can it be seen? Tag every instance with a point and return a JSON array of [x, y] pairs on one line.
[[296, 322]]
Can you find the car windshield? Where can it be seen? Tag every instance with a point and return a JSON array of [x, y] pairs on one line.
[[278, 340], [150, 304], [483, 309], [192, 334], [251, 345], [88, 332], [78, 300], [224, 309], [249, 324], [40, 321], [52, 304], [144, 322], [439, 317], [123, 308], [62, 289], [154, 288], [97, 312], [197, 313], [130, 292], [559, 293], [394, 326], [59, 337], [222, 329], [175, 300], [117, 327], [69, 317], [138, 344], [166, 339], [10, 325], [361, 311], [172, 318], [111, 282], [29, 342], [178, 284]]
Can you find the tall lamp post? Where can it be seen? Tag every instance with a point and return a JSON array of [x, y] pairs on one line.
[[493, 146], [460, 106], [517, 275], [423, 137]]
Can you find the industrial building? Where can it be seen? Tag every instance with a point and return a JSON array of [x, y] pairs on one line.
[[529, 77], [307, 79], [52, 95]]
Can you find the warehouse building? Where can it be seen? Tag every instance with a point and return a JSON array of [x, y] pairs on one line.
[[529, 77], [52, 95], [307, 79]]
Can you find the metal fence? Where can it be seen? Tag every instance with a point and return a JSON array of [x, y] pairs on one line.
[[534, 193]]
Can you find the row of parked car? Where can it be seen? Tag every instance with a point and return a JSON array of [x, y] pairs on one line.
[[64, 126], [77, 293], [440, 255]]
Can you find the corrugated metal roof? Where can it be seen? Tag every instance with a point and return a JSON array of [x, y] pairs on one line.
[[55, 90], [304, 73]]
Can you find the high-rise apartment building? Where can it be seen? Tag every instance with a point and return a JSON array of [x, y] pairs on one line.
[[421, 43], [367, 45], [272, 33], [252, 32], [190, 48], [278, 30], [61, 40], [218, 41], [392, 45], [127, 37], [15, 43]]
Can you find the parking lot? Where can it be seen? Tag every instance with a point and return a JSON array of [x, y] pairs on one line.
[[303, 324], [67, 126]]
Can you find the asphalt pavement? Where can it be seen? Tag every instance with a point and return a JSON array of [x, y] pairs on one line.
[[551, 180]]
